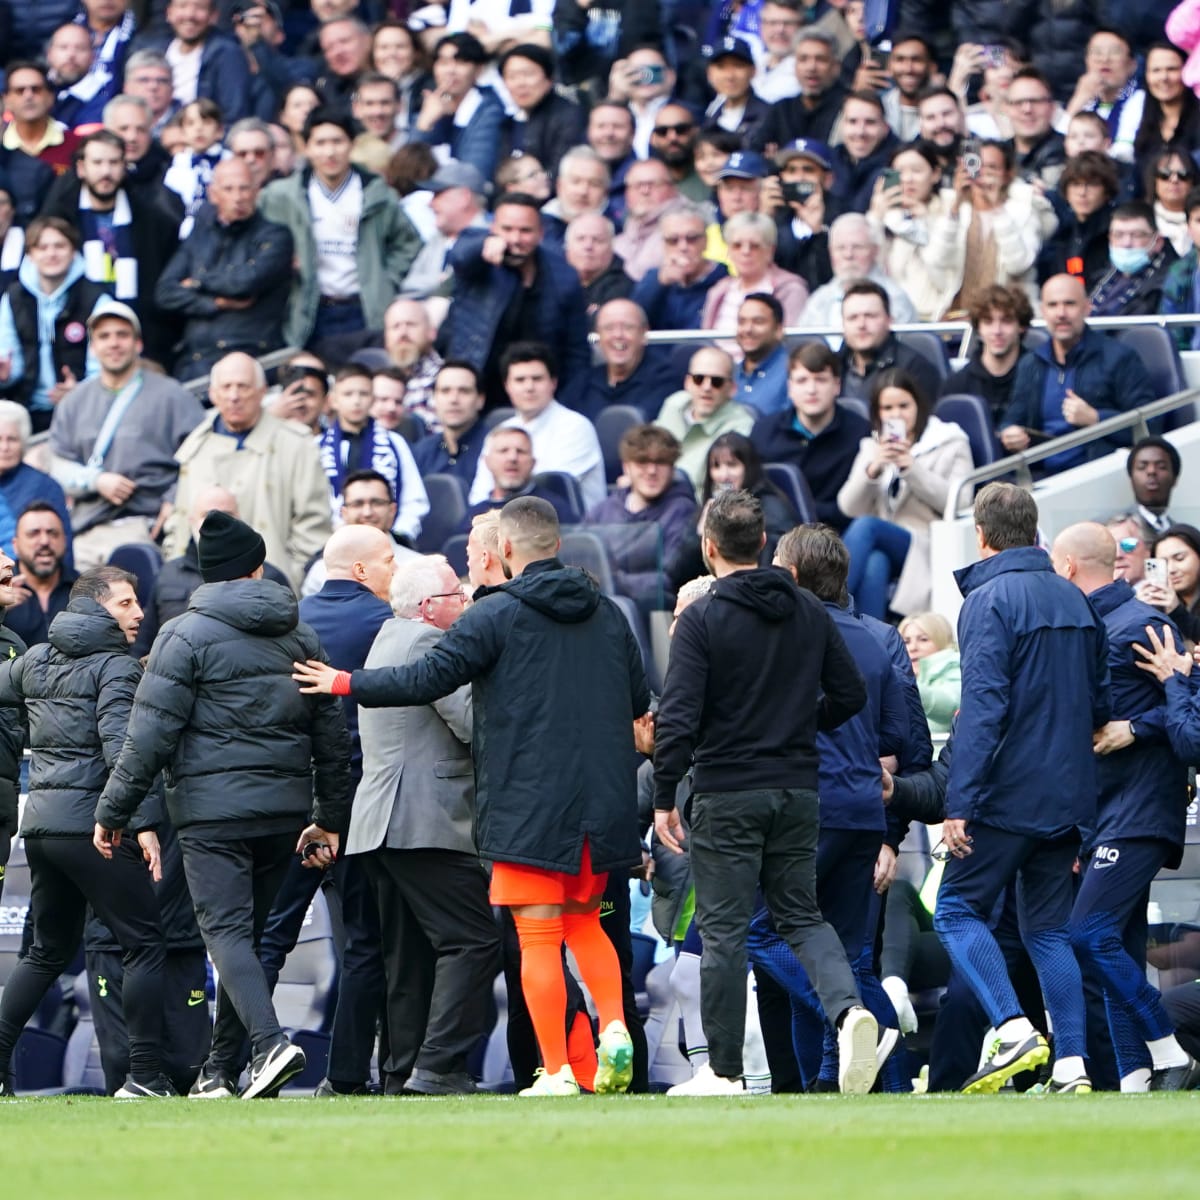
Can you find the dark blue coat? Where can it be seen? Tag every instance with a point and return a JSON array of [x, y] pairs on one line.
[[476, 142], [224, 73], [483, 292], [433, 457], [654, 380], [849, 780], [1034, 687], [346, 617], [675, 305], [1143, 788], [1183, 715]]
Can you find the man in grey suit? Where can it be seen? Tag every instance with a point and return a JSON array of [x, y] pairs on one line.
[[412, 821]]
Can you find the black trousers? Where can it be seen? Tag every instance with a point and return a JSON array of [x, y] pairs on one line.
[[233, 885], [66, 875], [740, 840], [187, 1024], [440, 955]]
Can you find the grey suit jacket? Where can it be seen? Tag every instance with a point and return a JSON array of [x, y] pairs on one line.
[[418, 784]]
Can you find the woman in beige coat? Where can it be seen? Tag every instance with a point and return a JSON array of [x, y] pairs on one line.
[[899, 483]]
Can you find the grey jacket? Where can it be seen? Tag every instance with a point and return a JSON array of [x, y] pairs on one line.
[[418, 785], [154, 426]]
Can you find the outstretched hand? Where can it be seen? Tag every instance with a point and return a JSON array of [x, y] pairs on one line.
[[315, 678], [1162, 660], [669, 827]]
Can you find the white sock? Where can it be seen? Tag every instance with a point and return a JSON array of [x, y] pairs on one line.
[[1066, 1069], [1016, 1030], [1136, 1081], [685, 984], [897, 992], [756, 1071], [1167, 1052]]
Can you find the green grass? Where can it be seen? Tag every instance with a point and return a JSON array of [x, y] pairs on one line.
[[493, 1148]]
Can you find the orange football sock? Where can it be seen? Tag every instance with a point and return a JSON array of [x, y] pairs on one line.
[[545, 989], [598, 963], [581, 1051]]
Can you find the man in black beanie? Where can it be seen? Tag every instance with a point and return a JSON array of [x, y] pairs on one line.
[[251, 761]]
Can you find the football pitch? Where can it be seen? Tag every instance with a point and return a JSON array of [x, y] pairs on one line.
[[501, 1147]]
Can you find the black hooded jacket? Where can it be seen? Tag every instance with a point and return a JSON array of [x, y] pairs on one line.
[[77, 689], [219, 711], [557, 681], [12, 744], [757, 668]]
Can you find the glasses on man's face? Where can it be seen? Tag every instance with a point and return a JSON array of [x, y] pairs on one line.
[[683, 239], [1027, 101], [680, 130], [1129, 545], [530, 176], [458, 595], [716, 381], [1171, 174], [356, 505], [251, 153]]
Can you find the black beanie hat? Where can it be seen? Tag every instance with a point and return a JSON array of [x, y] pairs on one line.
[[228, 548]]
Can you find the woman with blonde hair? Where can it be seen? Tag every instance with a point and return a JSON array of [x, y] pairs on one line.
[[933, 653]]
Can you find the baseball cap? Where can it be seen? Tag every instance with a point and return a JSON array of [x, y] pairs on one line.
[[808, 148], [454, 174], [730, 47], [743, 164], [108, 307]]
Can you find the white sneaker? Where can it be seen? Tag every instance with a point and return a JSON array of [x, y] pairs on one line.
[[706, 1082], [857, 1041], [897, 993], [561, 1083]]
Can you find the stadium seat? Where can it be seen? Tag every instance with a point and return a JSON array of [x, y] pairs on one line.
[[37, 1061], [1156, 348], [583, 549], [374, 358], [856, 405], [142, 560], [1034, 338], [306, 981], [789, 479], [447, 512], [497, 417], [568, 492], [638, 625], [83, 1070], [316, 1060], [13, 909], [455, 550], [611, 425], [930, 346], [972, 415]]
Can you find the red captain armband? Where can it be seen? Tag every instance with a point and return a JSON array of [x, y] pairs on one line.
[[1075, 266], [341, 684]]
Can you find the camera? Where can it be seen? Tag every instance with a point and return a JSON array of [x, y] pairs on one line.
[[798, 193], [971, 157], [649, 76]]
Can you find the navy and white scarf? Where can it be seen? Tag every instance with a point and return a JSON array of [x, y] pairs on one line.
[[108, 254], [372, 450]]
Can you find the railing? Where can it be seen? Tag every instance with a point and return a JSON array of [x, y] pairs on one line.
[[673, 337], [275, 359], [1020, 463]]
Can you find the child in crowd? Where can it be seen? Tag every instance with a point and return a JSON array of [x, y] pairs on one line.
[[191, 168]]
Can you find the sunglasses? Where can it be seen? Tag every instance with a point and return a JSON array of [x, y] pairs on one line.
[[690, 239], [716, 380], [1129, 545], [678, 130], [1174, 175]]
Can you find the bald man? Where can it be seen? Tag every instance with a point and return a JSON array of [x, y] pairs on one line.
[[271, 466], [1073, 381], [1139, 829], [231, 276], [180, 576]]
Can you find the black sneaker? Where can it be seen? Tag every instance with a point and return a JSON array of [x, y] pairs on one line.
[[213, 1085], [1175, 1079], [272, 1069], [435, 1083], [7, 1091], [1006, 1059], [326, 1090], [158, 1089]]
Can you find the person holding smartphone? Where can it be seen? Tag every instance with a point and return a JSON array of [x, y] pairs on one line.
[[1171, 579]]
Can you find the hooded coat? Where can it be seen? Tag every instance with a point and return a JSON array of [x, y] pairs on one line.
[[219, 711], [557, 682]]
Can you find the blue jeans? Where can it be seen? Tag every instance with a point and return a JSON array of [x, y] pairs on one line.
[[877, 553]]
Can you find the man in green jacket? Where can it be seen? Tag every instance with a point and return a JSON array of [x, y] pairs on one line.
[[354, 244]]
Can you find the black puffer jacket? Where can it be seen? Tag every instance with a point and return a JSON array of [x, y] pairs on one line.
[[77, 689], [557, 680], [218, 710], [1058, 41], [12, 744]]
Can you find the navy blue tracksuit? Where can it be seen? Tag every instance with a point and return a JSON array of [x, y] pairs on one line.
[[1139, 829], [1035, 686]]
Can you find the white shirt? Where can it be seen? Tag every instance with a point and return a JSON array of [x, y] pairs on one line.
[[335, 220], [644, 119], [563, 440], [414, 500], [185, 70], [778, 82]]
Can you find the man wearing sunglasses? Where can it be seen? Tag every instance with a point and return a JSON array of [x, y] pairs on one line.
[[672, 294], [1132, 547], [1140, 259], [673, 140], [704, 410]]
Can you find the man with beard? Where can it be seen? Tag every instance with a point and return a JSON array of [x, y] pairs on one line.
[[69, 57], [408, 339], [230, 278], [813, 113], [673, 140], [127, 238], [912, 65], [943, 124], [43, 588]]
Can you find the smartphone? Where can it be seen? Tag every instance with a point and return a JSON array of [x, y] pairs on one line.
[[798, 193], [971, 156], [993, 56], [1155, 572], [649, 76], [891, 178], [894, 429]]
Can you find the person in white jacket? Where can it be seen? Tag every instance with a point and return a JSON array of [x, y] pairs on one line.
[[899, 484]]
